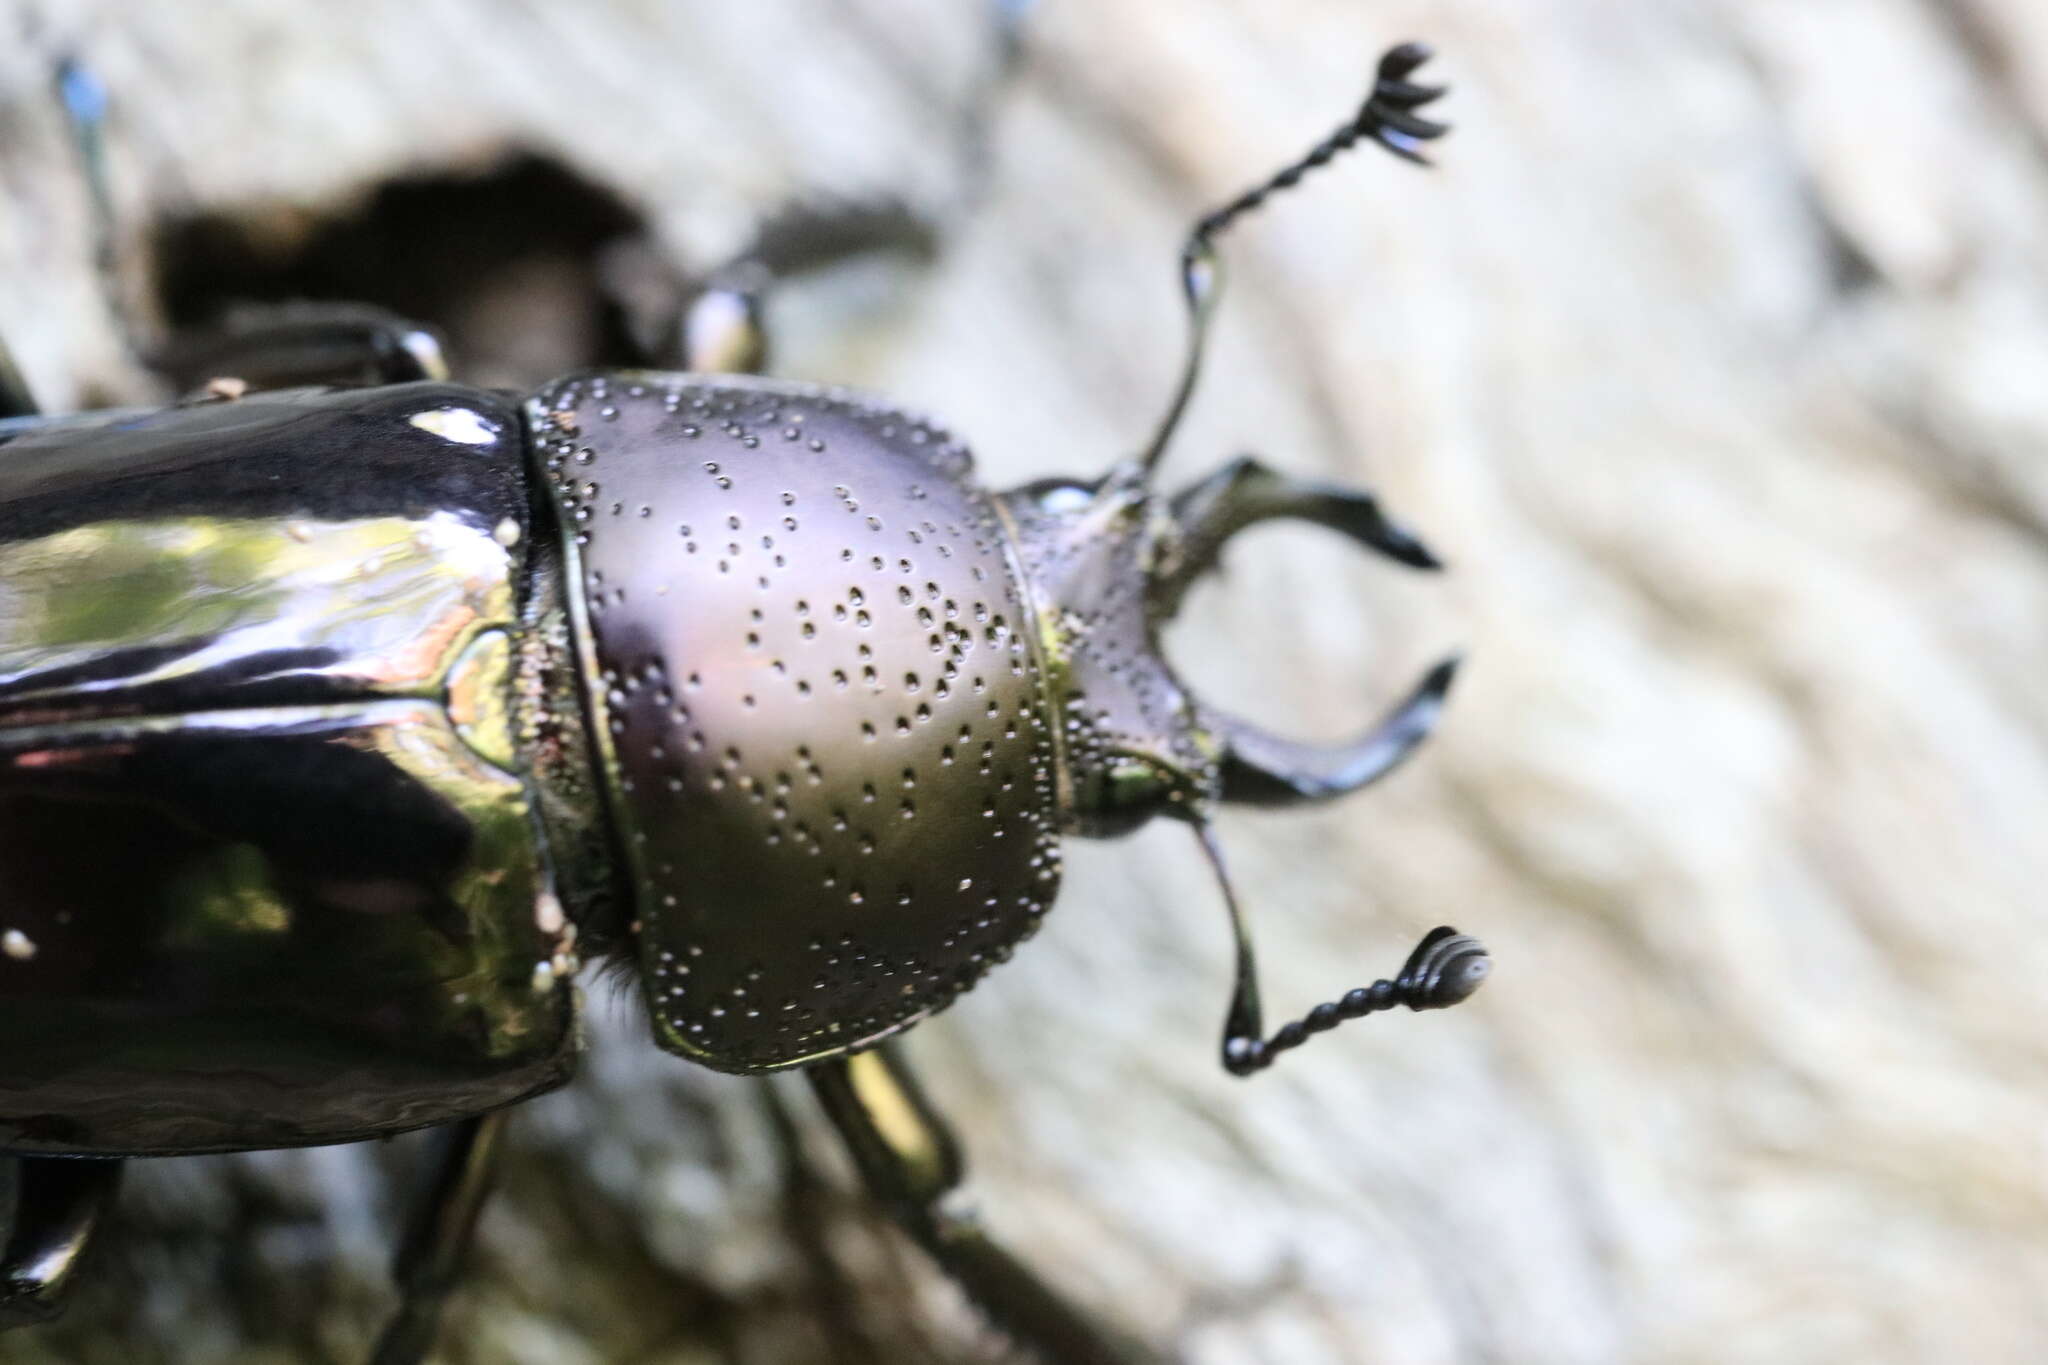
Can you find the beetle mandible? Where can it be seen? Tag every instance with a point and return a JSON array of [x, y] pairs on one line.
[[339, 725]]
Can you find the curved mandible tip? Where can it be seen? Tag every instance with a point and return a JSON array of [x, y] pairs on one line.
[[1264, 769], [1259, 767], [1246, 492]]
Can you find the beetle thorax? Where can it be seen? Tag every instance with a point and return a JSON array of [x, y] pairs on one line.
[[819, 701]]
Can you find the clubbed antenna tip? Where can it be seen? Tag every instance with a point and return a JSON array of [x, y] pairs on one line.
[[1445, 968], [1388, 114], [1387, 117]]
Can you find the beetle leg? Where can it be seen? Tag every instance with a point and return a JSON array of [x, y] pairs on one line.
[[265, 346], [429, 1260], [721, 330], [280, 345], [817, 234], [803, 1217], [910, 1161], [59, 1202], [15, 398]]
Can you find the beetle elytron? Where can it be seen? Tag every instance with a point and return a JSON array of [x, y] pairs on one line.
[[338, 724]]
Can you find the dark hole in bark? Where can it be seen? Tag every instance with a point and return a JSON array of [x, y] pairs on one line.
[[520, 265]]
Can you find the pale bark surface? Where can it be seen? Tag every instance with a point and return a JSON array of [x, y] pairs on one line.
[[1714, 358]]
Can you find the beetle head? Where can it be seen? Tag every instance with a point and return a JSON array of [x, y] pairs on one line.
[[1131, 737], [1109, 563]]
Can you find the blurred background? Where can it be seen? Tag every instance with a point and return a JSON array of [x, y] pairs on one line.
[[1713, 358]]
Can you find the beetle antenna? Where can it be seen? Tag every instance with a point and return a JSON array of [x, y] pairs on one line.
[[85, 113], [1007, 21], [1444, 968], [1387, 117]]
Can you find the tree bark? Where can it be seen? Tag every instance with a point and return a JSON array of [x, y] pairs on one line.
[[1714, 359]]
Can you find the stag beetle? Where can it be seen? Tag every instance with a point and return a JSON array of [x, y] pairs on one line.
[[339, 724]]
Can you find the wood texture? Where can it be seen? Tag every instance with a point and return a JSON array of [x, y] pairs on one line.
[[1715, 360]]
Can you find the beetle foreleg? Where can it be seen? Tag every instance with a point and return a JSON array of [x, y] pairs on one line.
[[721, 330], [281, 345], [429, 1260], [268, 346], [58, 1205], [910, 1160]]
